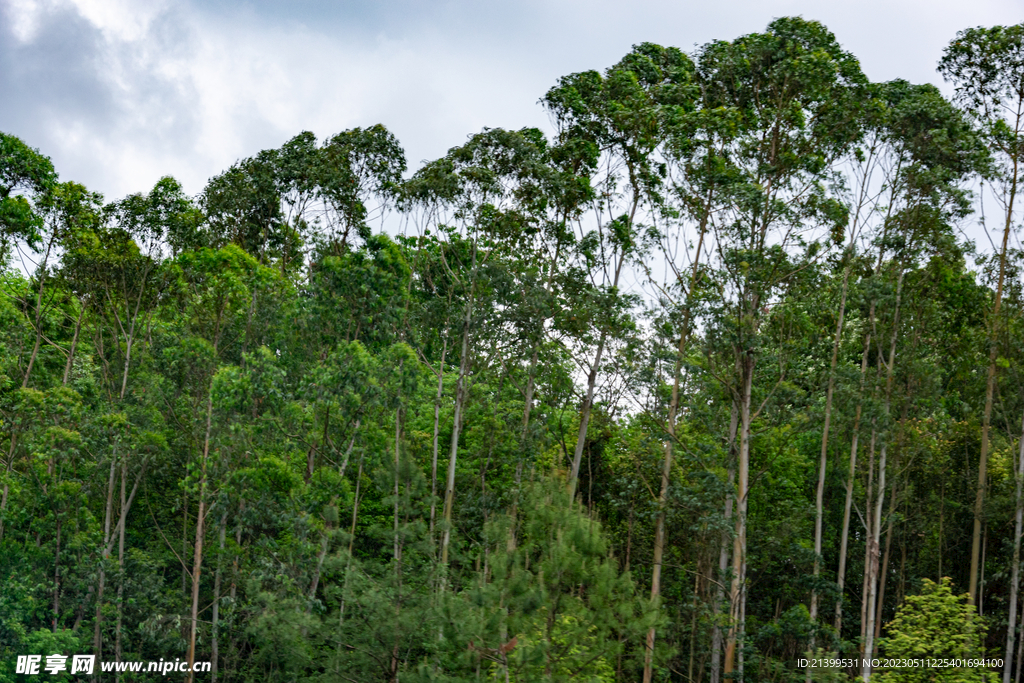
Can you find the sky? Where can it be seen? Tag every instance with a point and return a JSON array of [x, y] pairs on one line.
[[119, 93]]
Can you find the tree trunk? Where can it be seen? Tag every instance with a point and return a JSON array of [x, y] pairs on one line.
[[437, 430], [120, 560], [723, 555], [1018, 519], [215, 617], [819, 495], [585, 410], [885, 563], [197, 557], [39, 311], [351, 541], [74, 345], [56, 578], [875, 535], [739, 549], [670, 428], [460, 399], [97, 637], [872, 570], [990, 384], [588, 401]]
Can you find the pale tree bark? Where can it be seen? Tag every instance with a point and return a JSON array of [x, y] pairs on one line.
[[1018, 520], [97, 637], [819, 495], [197, 555], [588, 401], [739, 548], [875, 536], [460, 399], [851, 475], [884, 571], [723, 554], [666, 471], [872, 572], [990, 384]]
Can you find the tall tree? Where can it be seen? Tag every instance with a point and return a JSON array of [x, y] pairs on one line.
[[985, 66]]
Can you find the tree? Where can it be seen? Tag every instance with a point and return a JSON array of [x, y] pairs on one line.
[[936, 624], [985, 66]]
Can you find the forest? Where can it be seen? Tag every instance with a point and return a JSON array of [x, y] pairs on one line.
[[720, 375]]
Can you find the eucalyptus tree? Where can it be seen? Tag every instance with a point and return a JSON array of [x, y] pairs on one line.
[[617, 112], [926, 195], [899, 173], [641, 106], [471, 198], [114, 270], [986, 65], [25, 176], [215, 287], [63, 211], [796, 94]]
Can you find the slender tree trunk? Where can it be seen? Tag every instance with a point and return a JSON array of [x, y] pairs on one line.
[[666, 472], [56, 577], [120, 559], [197, 557], [990, 384], [875, 537], [739, 549], [588, 401], [351, 542], [460, 399], [523, 432], [437, 431], [585, 410], [1020, 653], [74, 345], [97, 637], [1018, 520], [39, 311], [723, 554], [819, 496], [869, 497], [215, 617], [885, 563], [877, 523]]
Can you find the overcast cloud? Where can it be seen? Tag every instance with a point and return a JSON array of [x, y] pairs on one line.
[[121, 92]]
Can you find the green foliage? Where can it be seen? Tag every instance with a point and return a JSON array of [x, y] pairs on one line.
[[936, 624], [662, 277]]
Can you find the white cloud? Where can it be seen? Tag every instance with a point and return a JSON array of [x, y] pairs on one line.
[[120, 92]]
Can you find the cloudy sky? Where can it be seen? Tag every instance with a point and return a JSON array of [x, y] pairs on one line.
[[121, 92]]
